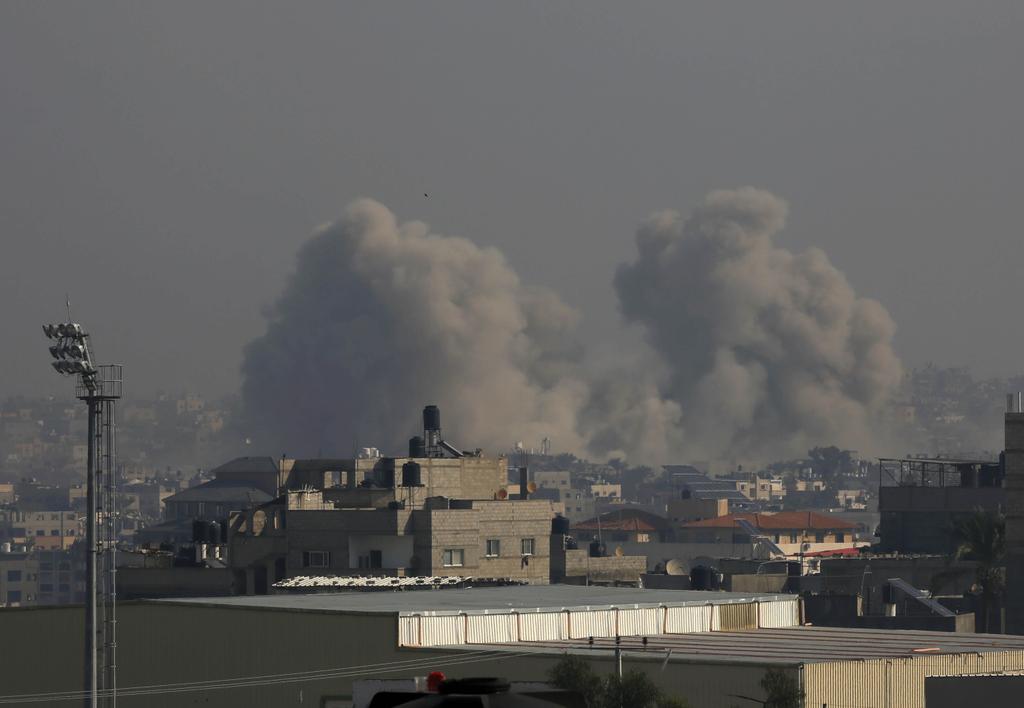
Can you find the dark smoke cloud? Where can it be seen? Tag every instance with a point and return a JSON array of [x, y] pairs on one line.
[[769, 352], [754, 351], [381, 318]]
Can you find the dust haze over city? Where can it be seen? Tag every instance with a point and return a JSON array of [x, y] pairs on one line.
[[168, 174], [645, 250]]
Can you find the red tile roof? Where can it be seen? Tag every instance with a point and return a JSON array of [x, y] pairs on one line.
[[784, 520]]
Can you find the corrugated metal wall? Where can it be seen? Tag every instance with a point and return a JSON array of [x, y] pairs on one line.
[[579, 623], [491, 629], [543, 626], [442, 630], [591, 623], [640, 621], [681, 620], [895, 682], [740, 615], [778, 613]]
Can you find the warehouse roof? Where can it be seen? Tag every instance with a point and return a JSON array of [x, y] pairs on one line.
[[789, 646], [519, 597]]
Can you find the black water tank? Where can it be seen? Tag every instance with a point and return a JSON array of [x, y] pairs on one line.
[[560, 525], [417, 448], [597, 549], [411, 474], [431, 418], [703, 577], [386, 473]]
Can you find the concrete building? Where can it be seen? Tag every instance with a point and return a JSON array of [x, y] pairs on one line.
[[34, 577], [406, 516], [681, 511], [45, 530], [792, 531], [1014, 484], [704, 646], [920, 500], [624, 525]]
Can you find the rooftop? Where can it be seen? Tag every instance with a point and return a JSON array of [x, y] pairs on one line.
[[220, 490], [782, 520], [519, 597], [789, 646]]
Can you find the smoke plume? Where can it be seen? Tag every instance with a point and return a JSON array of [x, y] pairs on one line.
[[768, 352], [381, 318], [754, 351]]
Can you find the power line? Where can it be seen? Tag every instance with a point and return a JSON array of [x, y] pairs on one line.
[[269, 679]]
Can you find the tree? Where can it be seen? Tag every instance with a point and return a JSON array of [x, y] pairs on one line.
[[634, 689], [781, 690], [831, 464], [981, 537]]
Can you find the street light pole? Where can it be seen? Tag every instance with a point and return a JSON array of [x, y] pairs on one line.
[[98, 387]]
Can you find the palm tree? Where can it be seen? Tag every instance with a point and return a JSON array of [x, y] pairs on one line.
[[981, 537]]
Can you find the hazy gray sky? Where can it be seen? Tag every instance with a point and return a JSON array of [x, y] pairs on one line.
[[163, 162]]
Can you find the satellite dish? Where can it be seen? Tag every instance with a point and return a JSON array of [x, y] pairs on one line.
[[502, 494], [619, 552], [531, 487], [259, 522], [676, 567]]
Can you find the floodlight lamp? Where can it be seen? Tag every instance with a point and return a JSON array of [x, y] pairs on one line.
[[75, 351], [71, 329], [50, 331], [58, 365], [56, 351]]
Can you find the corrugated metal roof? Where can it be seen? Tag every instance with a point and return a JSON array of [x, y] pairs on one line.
[[520, 597], [795, 645]]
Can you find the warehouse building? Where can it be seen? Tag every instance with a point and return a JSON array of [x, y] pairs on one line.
[[302, 650]]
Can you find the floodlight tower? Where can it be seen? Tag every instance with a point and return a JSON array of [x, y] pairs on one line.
[[99, 387]]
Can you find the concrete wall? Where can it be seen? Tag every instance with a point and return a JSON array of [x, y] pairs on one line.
[[920, 519], [579, 567], [959, 691], [133, 583], [469, 529], [162, 643], [1014, 483]]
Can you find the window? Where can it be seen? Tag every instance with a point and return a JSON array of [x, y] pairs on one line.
[[14, 576], [64, 587], [819, 537], [45, 587], [316, 559], [840, 538], [527, 546], [40, 532], [55, 532], [792, 538], [453, 557], [643, 538], [493, 547], [14, 596]]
